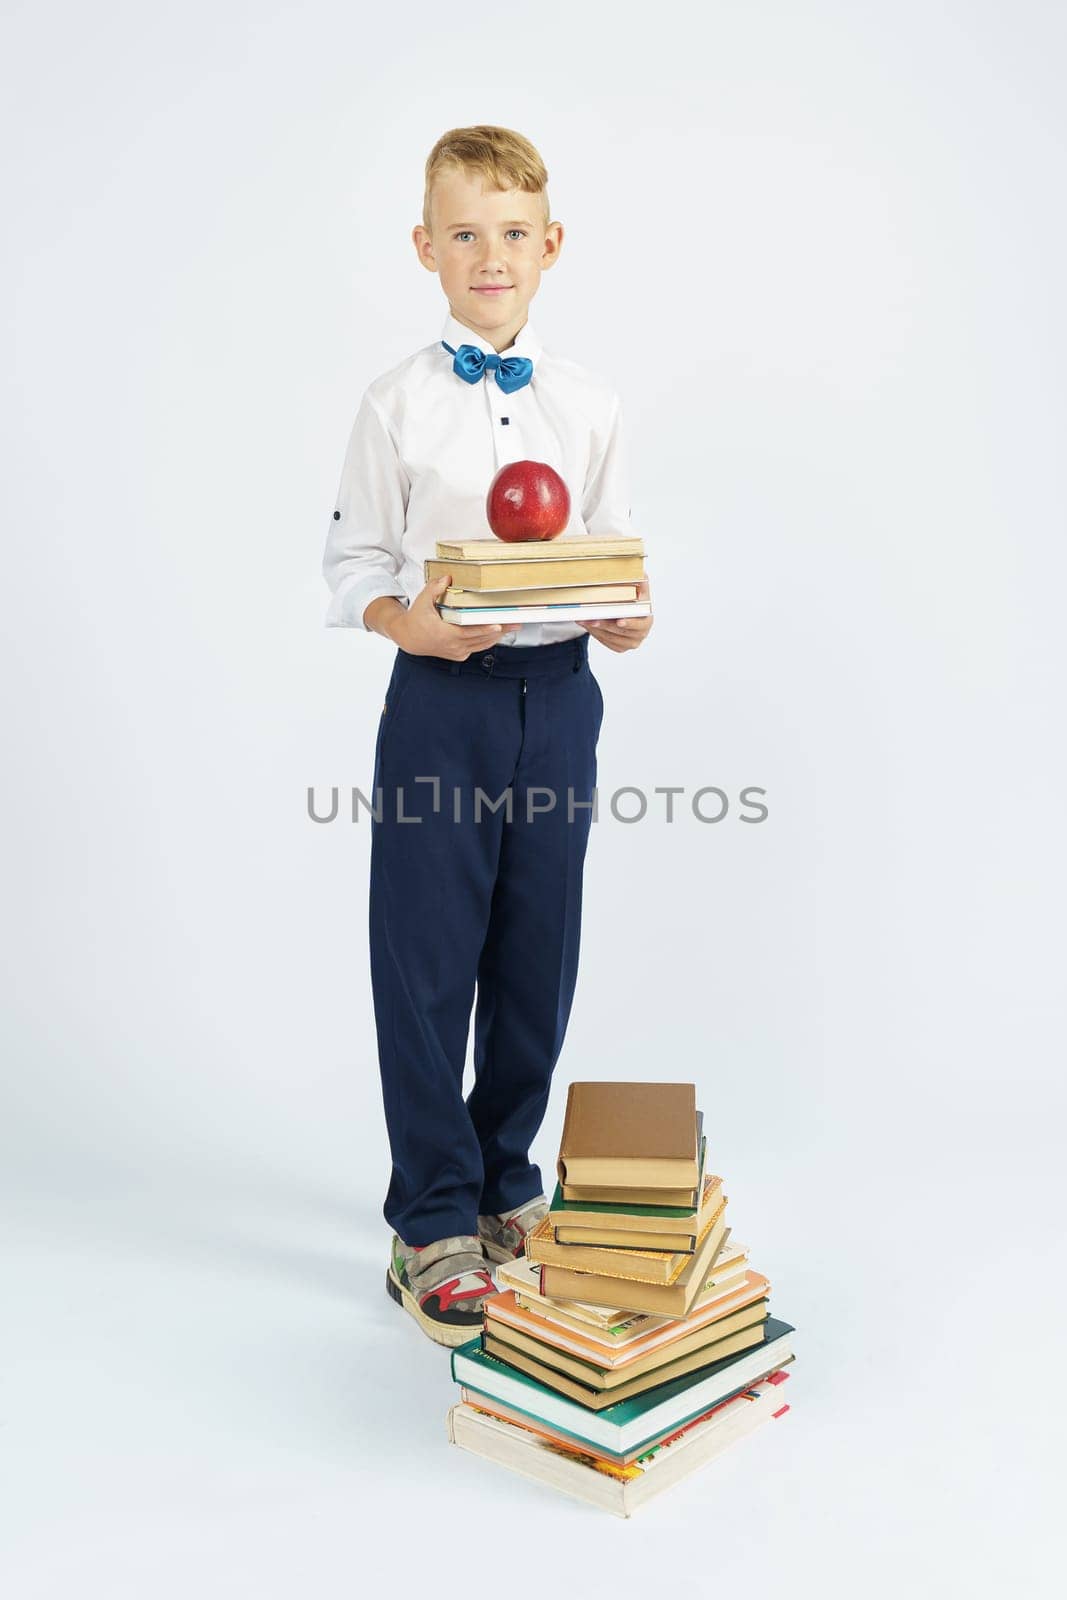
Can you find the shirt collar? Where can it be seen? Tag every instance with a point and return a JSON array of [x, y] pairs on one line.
[[526, 342]]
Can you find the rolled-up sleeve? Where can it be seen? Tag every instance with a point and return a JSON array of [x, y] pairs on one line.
[[363, 545], [606, 501]]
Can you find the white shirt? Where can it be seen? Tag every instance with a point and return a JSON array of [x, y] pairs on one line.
[[425, 447]]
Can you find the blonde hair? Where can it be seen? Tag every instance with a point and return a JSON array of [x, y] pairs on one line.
[[500, 155]]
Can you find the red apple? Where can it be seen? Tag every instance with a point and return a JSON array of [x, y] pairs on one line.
[[527, 500]]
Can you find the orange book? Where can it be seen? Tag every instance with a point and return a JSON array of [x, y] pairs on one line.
[[674, 1340]]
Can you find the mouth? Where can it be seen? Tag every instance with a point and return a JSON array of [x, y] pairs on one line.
[[496, 288]]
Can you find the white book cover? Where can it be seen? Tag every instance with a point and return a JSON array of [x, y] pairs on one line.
[[534, 1456], [561, 613]]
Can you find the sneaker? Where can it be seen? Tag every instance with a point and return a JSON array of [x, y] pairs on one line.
[[504, 1237], [443, 1285]]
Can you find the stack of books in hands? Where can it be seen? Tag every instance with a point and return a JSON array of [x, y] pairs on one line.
[[633, 1342], [579, 579]]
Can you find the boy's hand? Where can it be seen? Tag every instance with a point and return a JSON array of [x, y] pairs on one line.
[[421, 631], [625, 633]]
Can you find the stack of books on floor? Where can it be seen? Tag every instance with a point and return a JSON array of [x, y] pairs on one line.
[[580, 579], [632, 1343]]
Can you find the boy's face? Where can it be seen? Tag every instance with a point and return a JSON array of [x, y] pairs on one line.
[[489, 248]]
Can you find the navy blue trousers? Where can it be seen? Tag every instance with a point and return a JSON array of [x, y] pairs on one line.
[[489, 903]]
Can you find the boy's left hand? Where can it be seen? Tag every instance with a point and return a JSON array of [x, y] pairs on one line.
[[624, 633]]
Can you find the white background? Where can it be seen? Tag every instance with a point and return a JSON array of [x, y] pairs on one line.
[[820, 249]]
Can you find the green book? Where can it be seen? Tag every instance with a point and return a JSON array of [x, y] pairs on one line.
[[628, 1425]]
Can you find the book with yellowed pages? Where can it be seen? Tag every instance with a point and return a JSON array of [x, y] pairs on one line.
[[581, 1382], [637, 1135], [626, 1239], [674, 1299], [630, 1260], [559, 1311], [622, 1195], [484, 575], [505, 550], [624, 1357], [639, 1227], [571, 594], [634, 1225], [634, 1336], [617, 1488], [523, 1277]]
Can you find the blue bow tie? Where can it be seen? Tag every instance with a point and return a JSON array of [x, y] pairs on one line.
[[470, 363]]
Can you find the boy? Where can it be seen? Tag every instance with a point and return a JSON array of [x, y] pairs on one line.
[[468, 895]]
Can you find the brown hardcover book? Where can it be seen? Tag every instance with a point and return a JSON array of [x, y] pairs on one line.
[[618, 1195], [653, 1227], [642, 1135], [654, 1263], [597, 1399], [578, 1317], [524, 1277], [485, 575], [657, 1299], [624, 1239], [582, 544]]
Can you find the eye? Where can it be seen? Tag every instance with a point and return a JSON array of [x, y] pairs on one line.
[[465, 233]]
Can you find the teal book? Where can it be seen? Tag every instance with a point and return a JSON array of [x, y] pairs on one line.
[[631, 1424]]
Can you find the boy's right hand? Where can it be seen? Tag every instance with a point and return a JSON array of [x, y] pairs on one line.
[[421, 631]]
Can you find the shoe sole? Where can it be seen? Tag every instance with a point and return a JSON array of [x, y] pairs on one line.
[[439, 1332]]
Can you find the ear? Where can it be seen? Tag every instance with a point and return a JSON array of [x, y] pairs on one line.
[[553, 245], [421, 239]]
